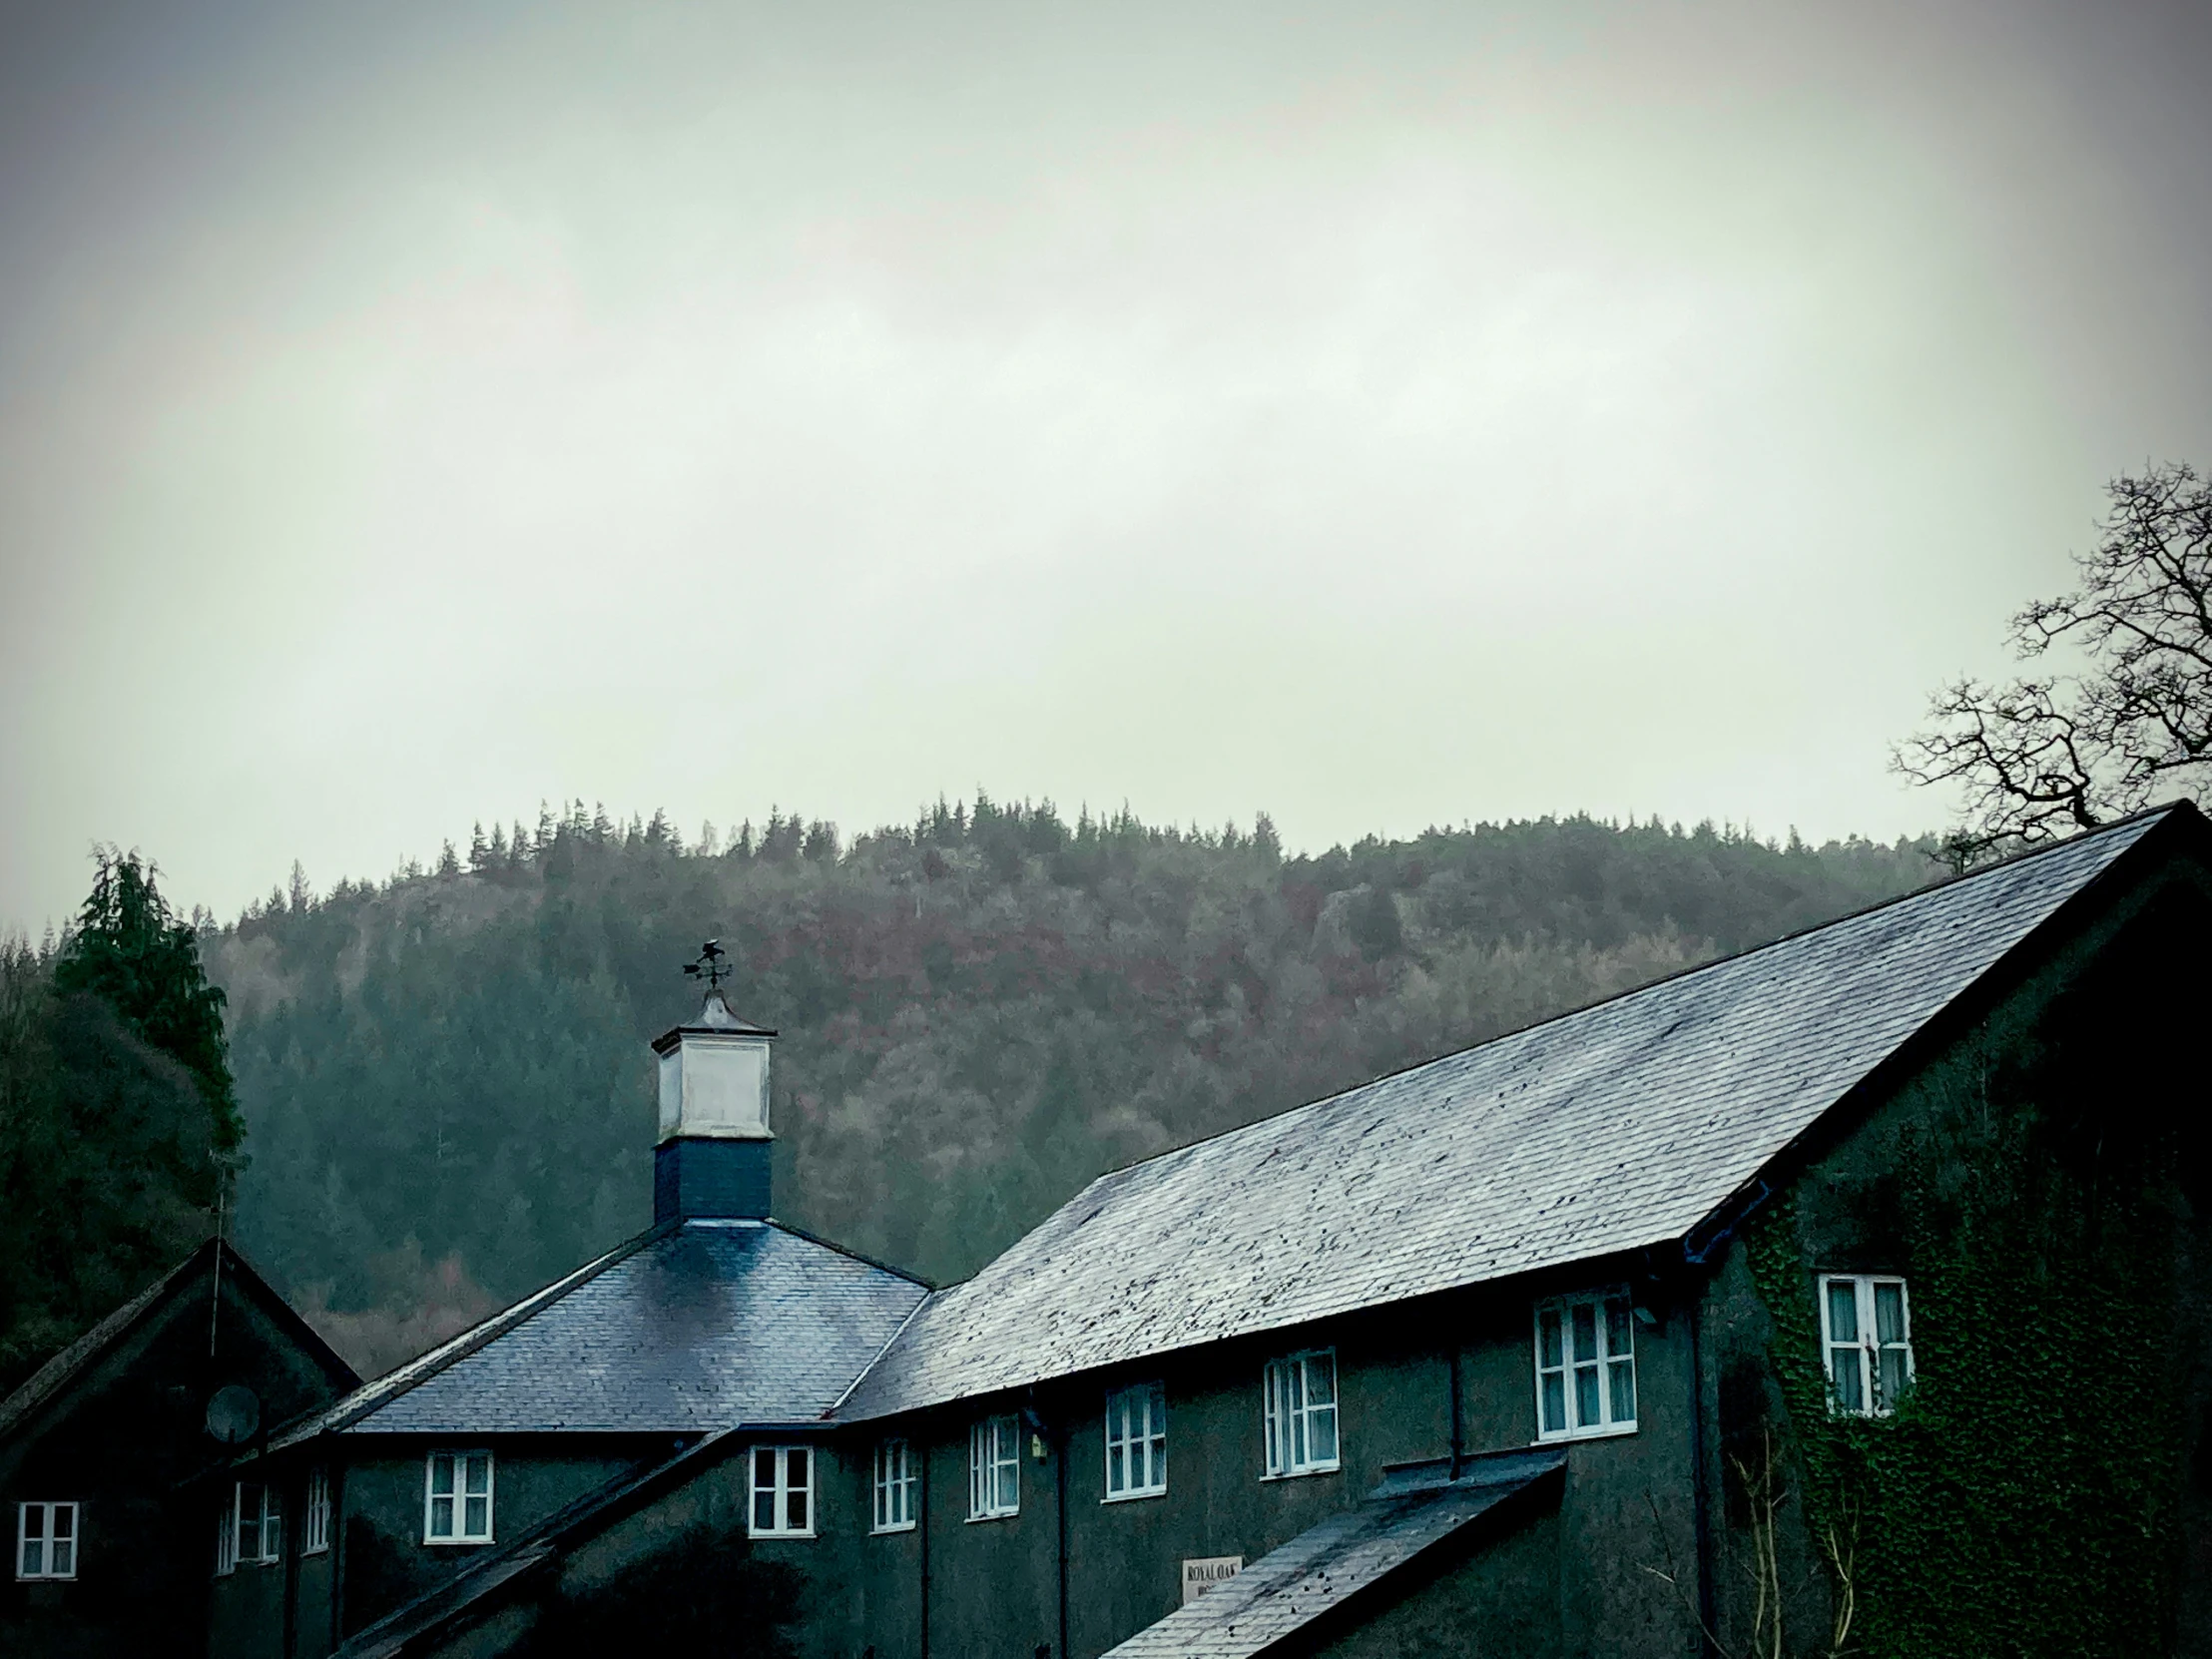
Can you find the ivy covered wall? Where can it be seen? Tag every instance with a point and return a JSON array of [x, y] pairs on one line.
[[2041, 1187]]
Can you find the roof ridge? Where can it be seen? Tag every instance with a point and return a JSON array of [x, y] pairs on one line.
[[861, 1256]]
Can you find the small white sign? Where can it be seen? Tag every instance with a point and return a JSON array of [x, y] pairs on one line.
[[1201, 1573]]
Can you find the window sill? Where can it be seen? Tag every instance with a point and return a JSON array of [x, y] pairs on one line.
[[1301, 1474], [457, 1543], [809, 1534], [306, 1550], [995, 1515], [886, 1531], [1134, 1498], [46, 1579], [1612, 1432]]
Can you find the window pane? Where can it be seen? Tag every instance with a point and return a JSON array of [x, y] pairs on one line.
[[442, 1475], [34, 1556], [1321, 1379], [478, 1473], [1623, 1400], [1009, 1485], [1300, 1455], [1555, 1403], [478, 1514], [1843, 1370], [1584, 1317], [1325, 1434], [64, 1521], [1549, 1355], [764, 1469], [795, 1507], [64, 1557], [1843, 1309], [1889, 1381], [763, 1511], [1585, 1397], [442, 1517], [1620, 1341], [1888, 1312]]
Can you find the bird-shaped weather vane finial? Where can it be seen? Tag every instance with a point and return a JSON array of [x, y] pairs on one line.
[[712, 965]]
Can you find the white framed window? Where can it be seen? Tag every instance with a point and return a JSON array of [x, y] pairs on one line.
[[1137, 1441], [1299, 1410], [314, 1522], [994, 1468], [895, 1487], [456, 1498], [1585, 1365], [782, 1492], [256, 1524], [226, 1540], [46, 1540], [1867, 1334]]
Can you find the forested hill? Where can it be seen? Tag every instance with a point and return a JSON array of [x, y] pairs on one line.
[[450, 1095]]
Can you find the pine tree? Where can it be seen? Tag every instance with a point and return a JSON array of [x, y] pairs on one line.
[[127, 950]]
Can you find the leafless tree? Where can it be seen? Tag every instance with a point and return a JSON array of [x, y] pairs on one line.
[[2041, 758], [1766, 1494]]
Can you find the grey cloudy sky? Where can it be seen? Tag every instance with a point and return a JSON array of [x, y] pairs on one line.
[[1377, 414]]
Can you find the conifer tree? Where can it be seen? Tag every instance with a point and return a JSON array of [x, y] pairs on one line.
[[132, 953]]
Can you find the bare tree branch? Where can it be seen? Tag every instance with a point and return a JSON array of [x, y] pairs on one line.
[[2038, 758]]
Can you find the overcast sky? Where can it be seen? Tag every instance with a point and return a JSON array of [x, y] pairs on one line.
[[1378, 416]]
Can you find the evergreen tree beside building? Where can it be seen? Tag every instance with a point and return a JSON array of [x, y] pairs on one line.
[[119, 1121]]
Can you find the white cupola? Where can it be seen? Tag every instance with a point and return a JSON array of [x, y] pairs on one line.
[[714, 1076], [711, 1160]]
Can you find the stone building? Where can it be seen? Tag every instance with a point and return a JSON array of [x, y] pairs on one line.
[[1861, 1275], [115, 1456]]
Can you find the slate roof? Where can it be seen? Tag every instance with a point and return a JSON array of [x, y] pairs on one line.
[[1621, 1126], [1321, 1570], [693, 1328]]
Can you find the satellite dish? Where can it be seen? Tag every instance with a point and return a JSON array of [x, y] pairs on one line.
[[233, 1413]]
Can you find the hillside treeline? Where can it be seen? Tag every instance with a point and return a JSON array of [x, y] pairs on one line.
[[450, 1099]]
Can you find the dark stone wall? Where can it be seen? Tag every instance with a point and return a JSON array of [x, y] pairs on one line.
[[386, 1562], [994, 1585]]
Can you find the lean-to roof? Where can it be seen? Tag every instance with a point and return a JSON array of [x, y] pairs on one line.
[[1611, 1129], [1320, 1570]]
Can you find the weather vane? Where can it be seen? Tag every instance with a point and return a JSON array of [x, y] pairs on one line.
[[712, 965]]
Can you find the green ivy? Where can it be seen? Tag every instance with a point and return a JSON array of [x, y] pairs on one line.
[[2023, 1497]]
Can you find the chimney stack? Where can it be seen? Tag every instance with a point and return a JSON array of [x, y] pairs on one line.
[[711, 1160]]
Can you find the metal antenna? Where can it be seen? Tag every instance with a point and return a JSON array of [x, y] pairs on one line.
[[215, 1300], [712, 965]]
